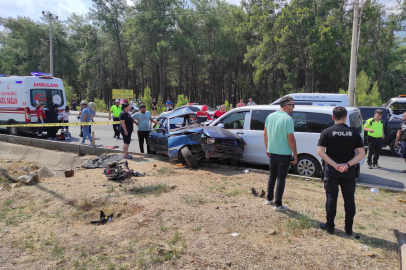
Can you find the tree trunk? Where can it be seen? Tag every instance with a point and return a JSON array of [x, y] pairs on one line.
[[309, 80]]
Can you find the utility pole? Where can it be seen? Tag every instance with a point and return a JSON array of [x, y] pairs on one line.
[[354, 54], [50, 18]]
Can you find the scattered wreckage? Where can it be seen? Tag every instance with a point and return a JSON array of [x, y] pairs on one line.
[[181, 137]]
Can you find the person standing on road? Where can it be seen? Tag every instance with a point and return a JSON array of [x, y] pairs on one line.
[[126, 129], [376, 134], [73, 104], [52, 117], [41, 117], [337, 146], [220, 112], [85, 117], [65, 117], [116, 109], [401, 137], [241, 104], [250, 102], [154, 107], [280, 142], [141, 119], [168, 104]]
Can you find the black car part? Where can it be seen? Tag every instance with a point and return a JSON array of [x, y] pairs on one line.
[[115, 171]]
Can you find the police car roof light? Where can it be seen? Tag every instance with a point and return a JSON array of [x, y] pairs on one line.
[[37, 73], [402, 96], [3, 75], [19, 82]]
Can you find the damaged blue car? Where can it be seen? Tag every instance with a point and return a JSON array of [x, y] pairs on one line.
[[180, 137]]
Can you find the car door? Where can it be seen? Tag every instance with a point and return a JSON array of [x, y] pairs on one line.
[[255, 151], [160, 138]]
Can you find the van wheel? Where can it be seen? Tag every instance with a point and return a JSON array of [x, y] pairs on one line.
[[14, 130], [187, 155], [395, 149], [307, 166]]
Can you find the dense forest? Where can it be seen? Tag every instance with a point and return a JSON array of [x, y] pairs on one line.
[[211, 51]]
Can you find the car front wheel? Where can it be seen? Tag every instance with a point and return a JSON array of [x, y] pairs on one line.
[[307, 166], [188, 157]]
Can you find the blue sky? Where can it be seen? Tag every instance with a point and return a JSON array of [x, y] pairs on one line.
[[33, 9]]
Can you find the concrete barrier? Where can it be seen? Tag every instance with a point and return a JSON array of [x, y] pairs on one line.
[[61, 146]]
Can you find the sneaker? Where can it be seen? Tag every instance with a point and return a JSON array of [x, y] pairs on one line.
[[55, 139], [376, 166], [118, 137], [114, 136], [82, 142], [281, 208], [90, 144], [128, 157], [49, 138], [267, 202], [323, 226], [369, 166]]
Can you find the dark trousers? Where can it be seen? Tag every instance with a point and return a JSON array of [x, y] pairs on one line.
[[116, 127], [143, 135], [40, 129], [278, 167], [374, 148], [332, 180], [52, 132]]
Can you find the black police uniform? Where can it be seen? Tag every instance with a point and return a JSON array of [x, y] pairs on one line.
[[340, 142]]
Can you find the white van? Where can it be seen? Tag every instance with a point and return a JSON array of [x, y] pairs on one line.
[[20, 94], [249, 122], [318, 99]]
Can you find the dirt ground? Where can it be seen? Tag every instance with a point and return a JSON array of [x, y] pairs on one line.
[[177, 218]]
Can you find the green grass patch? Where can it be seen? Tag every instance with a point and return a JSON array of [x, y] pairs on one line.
[[301, 222]]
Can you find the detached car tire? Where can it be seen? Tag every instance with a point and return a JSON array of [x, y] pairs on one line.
[[307, 166], [395, 149], [187, 155]]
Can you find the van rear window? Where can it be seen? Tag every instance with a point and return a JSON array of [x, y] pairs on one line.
[[356, 121], [47, 96]]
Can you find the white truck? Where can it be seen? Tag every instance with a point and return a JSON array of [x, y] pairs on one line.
[[20, 94], [318, 99]]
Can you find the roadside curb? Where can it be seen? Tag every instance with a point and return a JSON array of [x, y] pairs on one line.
[[299, 177], [62, 146]]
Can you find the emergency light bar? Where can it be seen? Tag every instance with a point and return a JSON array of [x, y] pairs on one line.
[[402, 96], [37, 73]]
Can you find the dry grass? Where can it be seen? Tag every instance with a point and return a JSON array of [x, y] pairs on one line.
[[189, 226]]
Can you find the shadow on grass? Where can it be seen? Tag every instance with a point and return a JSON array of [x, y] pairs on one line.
[[51, 192], [359, 237]]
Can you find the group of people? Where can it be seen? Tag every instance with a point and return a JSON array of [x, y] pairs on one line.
[[242, 104], [340, 147], [51, 115], [142, 119]]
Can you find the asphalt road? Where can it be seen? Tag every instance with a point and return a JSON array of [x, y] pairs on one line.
[[388, 175]]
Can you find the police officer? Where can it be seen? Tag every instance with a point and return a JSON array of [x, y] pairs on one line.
[[337, 145], [376, 133]]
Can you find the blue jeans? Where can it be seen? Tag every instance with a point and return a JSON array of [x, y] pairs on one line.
[[86, 133], [278, 167]]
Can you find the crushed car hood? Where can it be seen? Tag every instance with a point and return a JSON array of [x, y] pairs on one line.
[[211, 131]]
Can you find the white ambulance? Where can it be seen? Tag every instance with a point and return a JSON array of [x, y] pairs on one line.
[[20, 94]]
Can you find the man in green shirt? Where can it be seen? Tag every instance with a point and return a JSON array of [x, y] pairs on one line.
[[116, 110], [280, 143], [376, 133]]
